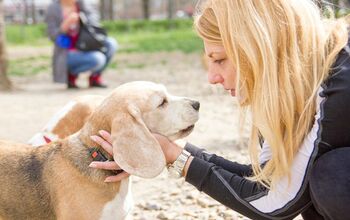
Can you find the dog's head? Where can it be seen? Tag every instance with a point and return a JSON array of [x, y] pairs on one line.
[[138, 109]]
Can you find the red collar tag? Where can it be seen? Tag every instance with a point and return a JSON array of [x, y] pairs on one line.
[[47, 140]]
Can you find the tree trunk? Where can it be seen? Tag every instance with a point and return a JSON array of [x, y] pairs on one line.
[[170, 9], [102, 10], [346, 3], [26, 12], [145, 8], [111, 10], [107, 9], [33, 11], [5, 83]]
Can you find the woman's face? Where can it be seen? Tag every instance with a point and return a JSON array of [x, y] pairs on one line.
[[220, 68]]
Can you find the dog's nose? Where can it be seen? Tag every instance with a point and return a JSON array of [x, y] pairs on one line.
[[196, 105]]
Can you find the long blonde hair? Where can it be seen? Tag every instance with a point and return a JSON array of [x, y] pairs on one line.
[[282, 51]]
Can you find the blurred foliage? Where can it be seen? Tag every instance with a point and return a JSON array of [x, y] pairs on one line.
[[146, 25], [142, 41], [330, 12], [132, 35], [26, 34], [29, 66]]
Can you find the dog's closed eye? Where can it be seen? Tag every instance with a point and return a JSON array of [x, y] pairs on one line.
[[163, 103]]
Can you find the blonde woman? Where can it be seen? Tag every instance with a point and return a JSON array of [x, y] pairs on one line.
[[291, 69]]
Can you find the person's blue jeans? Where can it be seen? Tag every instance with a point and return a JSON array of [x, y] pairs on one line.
[[330, 187], [93, 61]]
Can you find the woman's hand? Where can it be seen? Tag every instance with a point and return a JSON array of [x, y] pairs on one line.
[[71, 19], [170, 149], [105, 142]]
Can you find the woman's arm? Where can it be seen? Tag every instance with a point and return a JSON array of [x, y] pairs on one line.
[[53, 22], [234, 167], [239, 193], [286, 200], [91, 14], [71, 19], [172, 150]]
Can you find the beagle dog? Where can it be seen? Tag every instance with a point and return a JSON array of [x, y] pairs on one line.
[[54, 180]]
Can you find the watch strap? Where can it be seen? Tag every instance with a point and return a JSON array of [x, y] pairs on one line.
[[176, 169]]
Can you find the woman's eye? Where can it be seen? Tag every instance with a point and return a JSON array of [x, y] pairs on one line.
[[219, 61], [163, 103]]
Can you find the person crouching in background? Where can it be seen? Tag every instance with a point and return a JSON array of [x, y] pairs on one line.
[[63, 26]]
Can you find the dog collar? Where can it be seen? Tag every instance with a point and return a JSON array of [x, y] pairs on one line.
[[42, 138], [47, 139], [97, 155]]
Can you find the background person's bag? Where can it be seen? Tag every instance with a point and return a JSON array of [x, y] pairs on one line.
[[91, 37]]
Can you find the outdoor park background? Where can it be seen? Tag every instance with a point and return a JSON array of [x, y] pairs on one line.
[[157, 43]]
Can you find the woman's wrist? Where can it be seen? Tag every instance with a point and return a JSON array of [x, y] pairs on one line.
[[174, 152], [187, 166]]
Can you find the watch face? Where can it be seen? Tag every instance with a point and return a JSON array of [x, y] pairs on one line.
[[175, 169]]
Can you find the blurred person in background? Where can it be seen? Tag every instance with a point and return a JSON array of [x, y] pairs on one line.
[[63, 25], [290, 70]]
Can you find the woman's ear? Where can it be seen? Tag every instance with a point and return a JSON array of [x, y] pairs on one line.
[[135, 149]]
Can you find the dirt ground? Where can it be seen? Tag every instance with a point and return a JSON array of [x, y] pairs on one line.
[[25, 111]]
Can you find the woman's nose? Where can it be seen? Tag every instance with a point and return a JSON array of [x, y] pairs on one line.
[[214, 78]]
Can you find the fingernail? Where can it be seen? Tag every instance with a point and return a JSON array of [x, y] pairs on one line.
[[92, 165], [102, 132], [93, 138]]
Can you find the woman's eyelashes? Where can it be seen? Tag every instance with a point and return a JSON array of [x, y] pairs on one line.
[[219, 61]]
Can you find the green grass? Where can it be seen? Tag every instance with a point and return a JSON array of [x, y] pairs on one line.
[[136, 66], [144, 25], [34, 35], [28, 66], [133, 36], [183, 40]]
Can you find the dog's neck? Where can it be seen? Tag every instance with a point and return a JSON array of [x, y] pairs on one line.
[[92, 127], [79, 155], [80, 144], [100, 119]]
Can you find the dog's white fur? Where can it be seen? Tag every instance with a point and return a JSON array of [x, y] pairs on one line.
[[156, 111], [131, 113]]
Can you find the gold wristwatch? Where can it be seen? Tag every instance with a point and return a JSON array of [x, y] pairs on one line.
[[176, 169]]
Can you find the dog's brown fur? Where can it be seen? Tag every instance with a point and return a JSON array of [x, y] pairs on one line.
[[51, 182], [66, 126], [54, 181]]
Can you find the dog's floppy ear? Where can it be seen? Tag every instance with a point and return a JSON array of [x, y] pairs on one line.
[[135, 149]]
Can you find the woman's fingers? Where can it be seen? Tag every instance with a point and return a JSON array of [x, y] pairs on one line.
[[107, 165], [103, 143], [107, 136], [117, 178]]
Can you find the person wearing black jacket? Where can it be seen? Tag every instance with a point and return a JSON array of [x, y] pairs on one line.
[[68, 61], [290, 68]]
